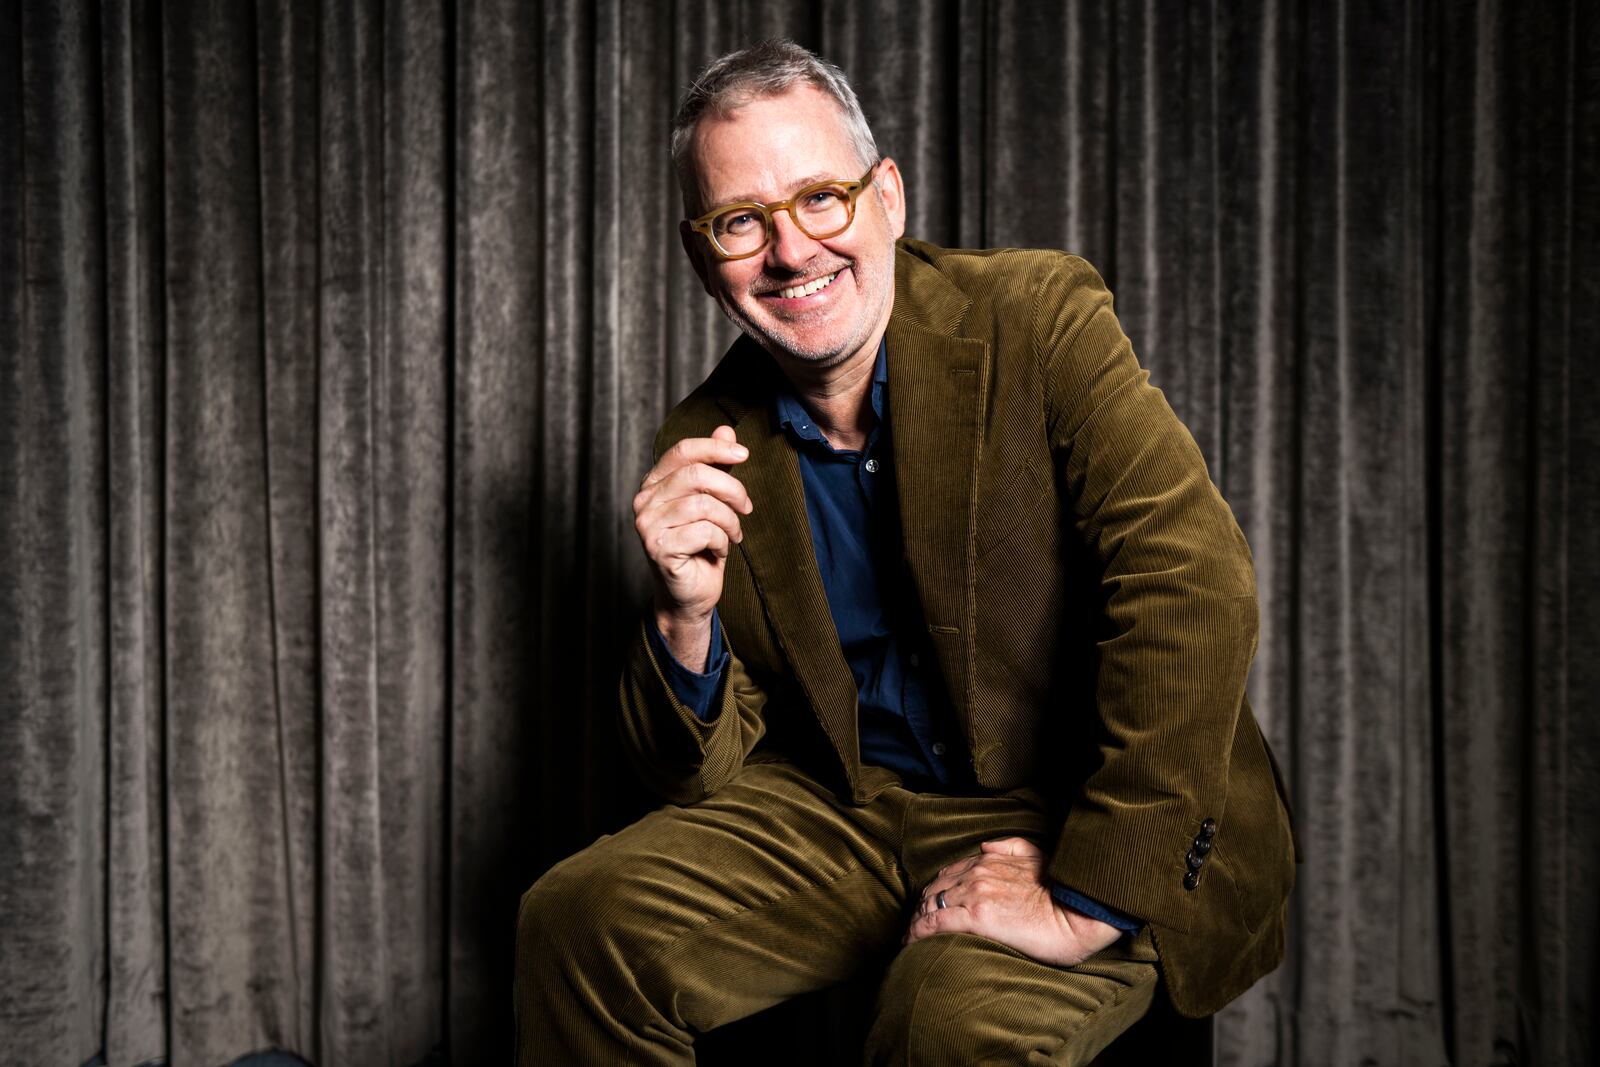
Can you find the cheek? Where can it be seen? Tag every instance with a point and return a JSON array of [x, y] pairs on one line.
[[736, 279]]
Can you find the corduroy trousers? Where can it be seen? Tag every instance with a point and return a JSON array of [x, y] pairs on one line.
[[696, 916]]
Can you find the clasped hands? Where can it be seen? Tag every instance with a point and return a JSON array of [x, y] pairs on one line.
[[1003, 894]]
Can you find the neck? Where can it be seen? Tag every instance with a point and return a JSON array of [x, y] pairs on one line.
[[839, 398]]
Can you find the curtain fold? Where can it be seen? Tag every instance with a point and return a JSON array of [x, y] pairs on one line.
[[135, 994], [333, 339]]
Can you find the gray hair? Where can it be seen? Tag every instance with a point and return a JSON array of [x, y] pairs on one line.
[[774, 66]]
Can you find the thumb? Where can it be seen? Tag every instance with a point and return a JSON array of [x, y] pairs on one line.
[[724, 433], [1011, 846]]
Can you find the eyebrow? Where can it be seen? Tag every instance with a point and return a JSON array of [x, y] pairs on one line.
[[794, 187]]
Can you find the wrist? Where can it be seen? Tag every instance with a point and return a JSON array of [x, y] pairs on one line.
[[1091, 934], [682, 622], [687, 636]]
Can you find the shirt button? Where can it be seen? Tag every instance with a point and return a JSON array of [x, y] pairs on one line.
[[872, 466], [938, 748], [914, 659]]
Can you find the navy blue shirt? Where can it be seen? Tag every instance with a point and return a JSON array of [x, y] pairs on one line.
[[904, 718], [904, 722]]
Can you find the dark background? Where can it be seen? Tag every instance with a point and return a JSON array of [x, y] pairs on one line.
[[333, 337]]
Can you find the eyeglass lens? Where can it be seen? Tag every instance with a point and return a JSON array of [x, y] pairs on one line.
[[820, 212]]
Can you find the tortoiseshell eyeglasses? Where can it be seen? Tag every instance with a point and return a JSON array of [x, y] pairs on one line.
[[823, 210]]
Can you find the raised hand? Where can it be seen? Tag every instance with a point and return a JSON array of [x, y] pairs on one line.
[[687, 516]]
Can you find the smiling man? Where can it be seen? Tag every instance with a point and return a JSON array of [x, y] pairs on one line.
[[944, 671]]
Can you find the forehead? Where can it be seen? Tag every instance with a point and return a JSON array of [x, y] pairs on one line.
[[770, 145]]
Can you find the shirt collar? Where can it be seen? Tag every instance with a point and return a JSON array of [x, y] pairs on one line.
[[793, 417]]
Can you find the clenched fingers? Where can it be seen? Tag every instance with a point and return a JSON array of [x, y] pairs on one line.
[[696, 479], [1001, 868], [692, 539], [660, 518], [952, 919], [696, 450], [946, 879]]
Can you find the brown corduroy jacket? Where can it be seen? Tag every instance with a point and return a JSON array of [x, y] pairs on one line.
[[1086, 588]]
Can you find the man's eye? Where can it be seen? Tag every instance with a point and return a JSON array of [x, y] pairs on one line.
[[824, 198], [739, 223]]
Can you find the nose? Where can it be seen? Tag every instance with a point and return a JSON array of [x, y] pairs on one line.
[[790, 249]]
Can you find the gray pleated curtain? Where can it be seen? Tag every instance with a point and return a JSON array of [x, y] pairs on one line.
[[332, 339]]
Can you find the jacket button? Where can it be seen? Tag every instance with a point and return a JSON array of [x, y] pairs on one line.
[[1208, 828], [1202, 845], [1191, 879], [1194, 861]]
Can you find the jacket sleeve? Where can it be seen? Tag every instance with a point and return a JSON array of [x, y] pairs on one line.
[[696, 690], [1178, 630], [679, 755]]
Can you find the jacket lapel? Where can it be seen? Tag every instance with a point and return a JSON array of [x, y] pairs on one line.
[[777, 547], [938, 385]]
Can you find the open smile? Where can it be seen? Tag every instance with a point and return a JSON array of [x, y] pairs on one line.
[[804, 294]]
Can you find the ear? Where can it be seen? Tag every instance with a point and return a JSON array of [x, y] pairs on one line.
[[892, 192], [694, 246]]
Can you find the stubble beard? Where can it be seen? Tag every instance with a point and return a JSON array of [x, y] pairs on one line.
[[875, 284]]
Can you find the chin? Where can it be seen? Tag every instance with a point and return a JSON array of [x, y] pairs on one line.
[[817, 354], [823, 349]]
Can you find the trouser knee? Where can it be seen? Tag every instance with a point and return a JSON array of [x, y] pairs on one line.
[[924, 1006], [957, 998], [564, 927]]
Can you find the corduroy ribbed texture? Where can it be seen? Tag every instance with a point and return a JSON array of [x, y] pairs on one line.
[[1126, 704], [775, 886]]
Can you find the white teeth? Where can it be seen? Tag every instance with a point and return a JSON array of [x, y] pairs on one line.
[[809, 288]]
